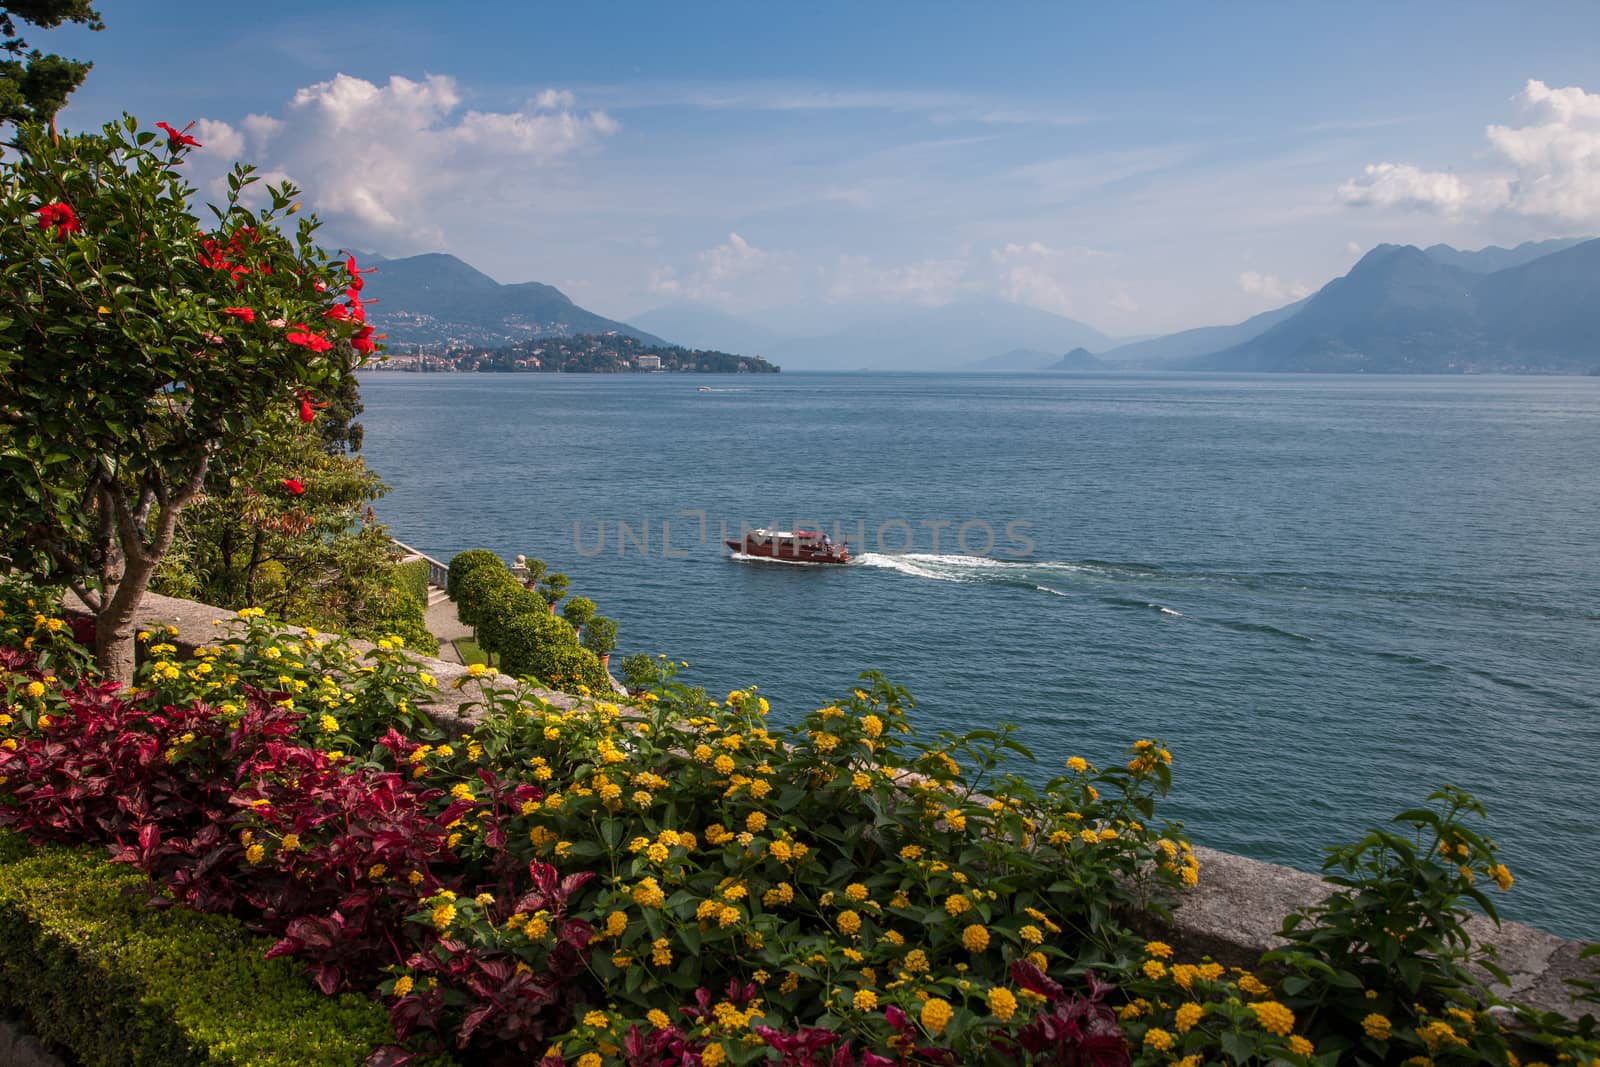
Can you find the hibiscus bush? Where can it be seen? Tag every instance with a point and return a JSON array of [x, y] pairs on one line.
[[676, 881], [141, 339]]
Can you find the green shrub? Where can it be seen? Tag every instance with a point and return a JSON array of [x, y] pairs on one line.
[[578, 611], [95, 969], [413, 578], [553, 587], [642, 671], [526, 637], [464, 564], [481, 588], [600, 635], [497, 604], [406, 617], [539, 645]]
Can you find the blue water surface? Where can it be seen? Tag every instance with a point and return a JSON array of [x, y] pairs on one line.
[[1327, 595]]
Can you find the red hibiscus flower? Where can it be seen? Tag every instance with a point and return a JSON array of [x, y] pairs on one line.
[[308, 407], [338, 313], [356, 281], [294, 487], [362, 341], [242, 314], [358, 307], [61, 217], [177, 138], [301, 335]]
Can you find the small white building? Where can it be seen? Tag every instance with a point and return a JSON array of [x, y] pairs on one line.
[[649, 362]]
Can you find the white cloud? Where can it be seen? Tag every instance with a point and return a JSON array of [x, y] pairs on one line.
[[381, 159], [1271, 286], [220, 138], [1549, 167], [1403, 185], [715, 271], [554, 100], [1556, 155]]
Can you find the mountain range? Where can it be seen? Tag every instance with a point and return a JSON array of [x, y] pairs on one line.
[[1403, 309], [435, 299], [1534, 308]]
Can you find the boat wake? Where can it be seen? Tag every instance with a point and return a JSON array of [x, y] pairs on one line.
[[1043, 576]]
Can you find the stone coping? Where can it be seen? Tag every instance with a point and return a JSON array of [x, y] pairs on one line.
[[1233, 915]]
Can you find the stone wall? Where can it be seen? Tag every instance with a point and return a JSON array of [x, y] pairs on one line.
[[1233, 915]]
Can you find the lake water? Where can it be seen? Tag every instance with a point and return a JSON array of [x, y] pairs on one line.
[[1326, 594]]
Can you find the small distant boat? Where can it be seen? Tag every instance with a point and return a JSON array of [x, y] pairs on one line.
[[791, 546]]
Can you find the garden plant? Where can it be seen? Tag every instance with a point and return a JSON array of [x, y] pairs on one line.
[[678, 880]]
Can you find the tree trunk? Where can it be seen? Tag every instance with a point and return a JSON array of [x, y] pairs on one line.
[[113, 627]]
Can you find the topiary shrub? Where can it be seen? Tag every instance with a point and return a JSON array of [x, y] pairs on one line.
[[526, 640], [578, 611], [600, 636], [464, 564], [93, 969], [497, 605], [553, 587], [566, 667], [481, 588]]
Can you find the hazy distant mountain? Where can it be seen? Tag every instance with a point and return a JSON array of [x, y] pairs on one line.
[[1547, 311], [1401, 310], [1078, 359], [1016, 359], [1187, 344], [437, 299], [701, 326], [1493, 258], [941, 338]]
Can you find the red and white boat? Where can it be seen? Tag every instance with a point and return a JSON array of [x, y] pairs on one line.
[[791, 546]]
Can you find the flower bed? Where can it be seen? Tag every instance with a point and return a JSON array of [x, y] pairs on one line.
[[678, 882]]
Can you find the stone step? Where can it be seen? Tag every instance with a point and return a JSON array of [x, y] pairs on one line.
[[437, 596]]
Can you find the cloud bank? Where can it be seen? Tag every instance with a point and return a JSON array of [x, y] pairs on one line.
[[1547, 168], [379, 160]]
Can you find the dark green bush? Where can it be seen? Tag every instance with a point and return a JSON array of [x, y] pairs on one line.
[[497, 604], [578, 611], [464, 564], [413, 578], [542, 646], [641, 671], [480, 588], [600, 635], [94, 969], [406, 617]]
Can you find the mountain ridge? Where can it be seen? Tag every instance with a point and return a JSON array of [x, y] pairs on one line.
[[437, 299], [1401, 309]]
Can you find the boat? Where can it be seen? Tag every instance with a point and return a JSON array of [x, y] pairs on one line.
[[791, 546]]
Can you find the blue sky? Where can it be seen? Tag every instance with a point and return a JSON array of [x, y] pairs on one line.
[[1142, 169]]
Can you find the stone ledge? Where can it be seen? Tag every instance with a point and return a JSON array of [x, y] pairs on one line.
[[1233, 915], [1236, 912]]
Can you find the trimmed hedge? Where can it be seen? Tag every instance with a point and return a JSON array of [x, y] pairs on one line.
[[413, 578], [97, 971]]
